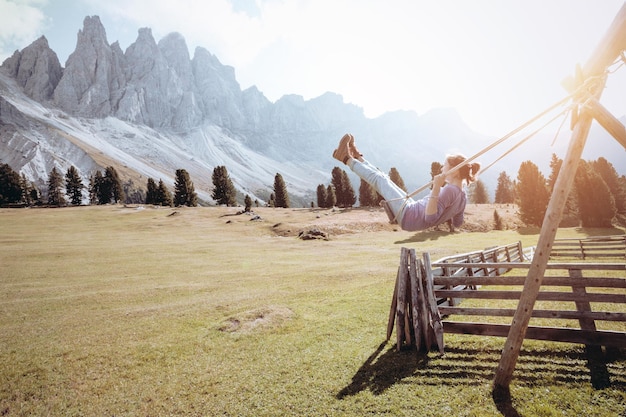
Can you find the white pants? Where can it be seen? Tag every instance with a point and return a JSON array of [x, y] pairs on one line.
[[380, 181]]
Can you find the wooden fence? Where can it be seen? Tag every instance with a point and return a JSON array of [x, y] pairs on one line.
[[427, 297], [590, 248]]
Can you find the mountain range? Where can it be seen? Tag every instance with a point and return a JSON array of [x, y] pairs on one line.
[[153, 109]]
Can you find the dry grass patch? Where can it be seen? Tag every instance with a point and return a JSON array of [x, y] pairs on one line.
[[257, 319]]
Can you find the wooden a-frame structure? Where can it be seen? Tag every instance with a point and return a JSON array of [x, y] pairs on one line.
[[588, 83]]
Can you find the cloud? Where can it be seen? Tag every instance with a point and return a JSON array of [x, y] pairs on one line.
[[21, 22]]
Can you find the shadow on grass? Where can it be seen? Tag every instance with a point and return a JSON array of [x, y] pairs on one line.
[[383, 370], [477, 366], [424, 236], [594, 232]]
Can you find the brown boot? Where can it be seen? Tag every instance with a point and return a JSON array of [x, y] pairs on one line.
[[343, 153], [355, 152]]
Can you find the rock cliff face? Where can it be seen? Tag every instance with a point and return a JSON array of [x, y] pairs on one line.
[[36, 69]]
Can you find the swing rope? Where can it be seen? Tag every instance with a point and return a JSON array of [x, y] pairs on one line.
[[584, 87], [482, 152], [524, 140]]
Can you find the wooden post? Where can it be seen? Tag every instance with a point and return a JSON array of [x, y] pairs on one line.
[[394, 303], [429, 296], [415, 310], [607, 120], [401, 298], [611, 46], [540, 259]]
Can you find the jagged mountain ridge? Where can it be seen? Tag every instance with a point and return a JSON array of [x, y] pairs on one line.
[[153, 109]]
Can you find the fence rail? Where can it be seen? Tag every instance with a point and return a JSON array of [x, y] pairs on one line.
[[592, 247]]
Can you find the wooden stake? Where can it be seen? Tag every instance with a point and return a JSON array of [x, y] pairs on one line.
[[392, 310]]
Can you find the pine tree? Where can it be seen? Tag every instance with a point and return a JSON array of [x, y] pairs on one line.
[[55, 195], [152, 192], [532, 194], [349, 198], [224, 190], [10, 189], [247, 201], [505, 190], [331, 196], [321, 196], [95, 181], [105, 193], [280, 192], [394, 175], [479, 193], [184, 191], [555, 168], [569, 217], [337, 183], [608, 173], [74, 186], [30, 195], [596, 204], [114, 185], [367, 195], [164, 197], [344, 193]]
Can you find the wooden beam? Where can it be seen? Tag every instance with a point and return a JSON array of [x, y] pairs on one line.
[[532, 284], [607, 120], [607, 50]]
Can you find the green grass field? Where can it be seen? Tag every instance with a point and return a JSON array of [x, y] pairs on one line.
[[115, 311]]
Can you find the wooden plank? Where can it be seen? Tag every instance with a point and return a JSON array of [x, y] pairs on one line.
[[594, 282], [541, 296], [557, 334], [582, 306], [435, 317], [566, 266], [607, 120], [394, 304], [544, 314], [401, 302], [415, 310], [423, 307]]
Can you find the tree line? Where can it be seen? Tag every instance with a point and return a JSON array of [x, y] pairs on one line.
[[104, 187], [598, 197]]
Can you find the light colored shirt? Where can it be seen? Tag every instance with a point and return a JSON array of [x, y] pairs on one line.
[[450, 205]]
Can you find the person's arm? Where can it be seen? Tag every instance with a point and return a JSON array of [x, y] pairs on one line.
[[431, 207]]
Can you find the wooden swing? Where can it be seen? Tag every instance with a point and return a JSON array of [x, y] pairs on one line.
[[393, 218], [610, 49]]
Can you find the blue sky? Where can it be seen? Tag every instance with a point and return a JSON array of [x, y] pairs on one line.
[[498, 62]]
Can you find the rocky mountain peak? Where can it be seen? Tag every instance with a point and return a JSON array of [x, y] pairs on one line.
[[85, 88], [36, 69]]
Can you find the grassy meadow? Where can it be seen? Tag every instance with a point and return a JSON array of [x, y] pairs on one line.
[[133, 311]]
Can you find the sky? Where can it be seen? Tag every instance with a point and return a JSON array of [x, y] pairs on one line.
[[497, 62]]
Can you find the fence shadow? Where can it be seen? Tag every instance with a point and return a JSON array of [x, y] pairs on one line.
[[382, 370], [460, 365]]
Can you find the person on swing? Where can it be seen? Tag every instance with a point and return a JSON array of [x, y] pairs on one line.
[[443, 203]]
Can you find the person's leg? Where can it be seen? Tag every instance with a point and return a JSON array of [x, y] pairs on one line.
[[394, 195]]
